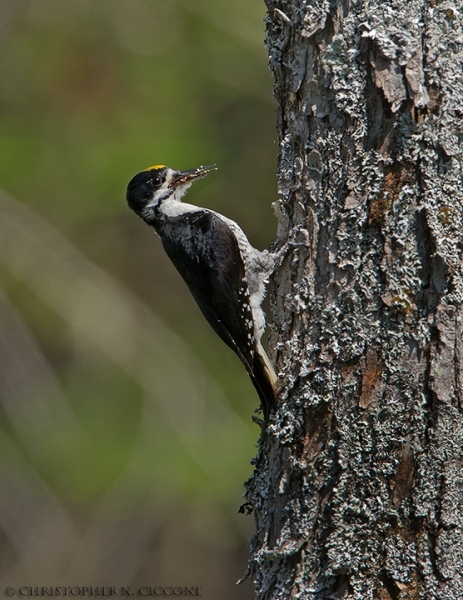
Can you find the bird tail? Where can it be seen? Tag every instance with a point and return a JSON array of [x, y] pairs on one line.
[[264, 378]]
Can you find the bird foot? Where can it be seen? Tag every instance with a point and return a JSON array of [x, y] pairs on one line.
[[292, 242]]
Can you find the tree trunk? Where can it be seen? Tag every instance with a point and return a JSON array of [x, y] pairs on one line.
[[358, 484]]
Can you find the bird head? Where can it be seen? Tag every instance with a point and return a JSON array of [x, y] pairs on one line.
[[157, 183]]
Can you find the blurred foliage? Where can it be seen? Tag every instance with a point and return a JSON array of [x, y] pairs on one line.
[[114, 390]]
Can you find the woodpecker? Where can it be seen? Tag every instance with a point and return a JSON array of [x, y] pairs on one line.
[[225, 274]]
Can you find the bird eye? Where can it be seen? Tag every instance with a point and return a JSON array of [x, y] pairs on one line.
[[156, 180]]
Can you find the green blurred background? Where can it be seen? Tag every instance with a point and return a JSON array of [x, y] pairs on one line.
[[126, 430]]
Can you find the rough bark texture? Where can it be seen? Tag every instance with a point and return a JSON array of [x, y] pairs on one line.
[[358, 487]]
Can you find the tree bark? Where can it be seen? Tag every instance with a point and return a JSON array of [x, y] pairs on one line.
[[358, 484]]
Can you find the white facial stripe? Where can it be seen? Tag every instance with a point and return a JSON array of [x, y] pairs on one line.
[[162, 192]]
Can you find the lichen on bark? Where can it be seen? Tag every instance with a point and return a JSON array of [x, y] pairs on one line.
[[358, 485]]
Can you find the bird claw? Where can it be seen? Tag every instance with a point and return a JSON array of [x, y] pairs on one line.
[[280, 254]]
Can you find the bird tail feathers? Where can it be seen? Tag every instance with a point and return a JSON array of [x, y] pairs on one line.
[[264, 378]]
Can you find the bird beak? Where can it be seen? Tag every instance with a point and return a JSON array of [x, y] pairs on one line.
[[182, 177]]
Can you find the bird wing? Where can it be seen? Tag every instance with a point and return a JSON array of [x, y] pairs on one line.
[[206, 254]]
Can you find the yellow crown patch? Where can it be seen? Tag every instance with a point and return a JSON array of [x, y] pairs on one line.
[[154, 168]]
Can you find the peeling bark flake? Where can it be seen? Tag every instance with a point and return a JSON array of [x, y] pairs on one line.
[[389, 77], [371, 374]]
